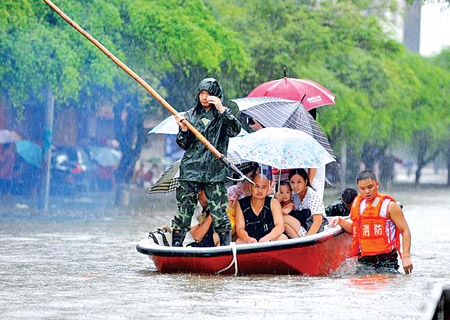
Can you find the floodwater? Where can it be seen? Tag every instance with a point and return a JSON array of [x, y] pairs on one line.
[[82, 264]]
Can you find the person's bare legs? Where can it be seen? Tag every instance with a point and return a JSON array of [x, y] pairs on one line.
[[291, 226], [290, 231], [281, 237], [216, 239]]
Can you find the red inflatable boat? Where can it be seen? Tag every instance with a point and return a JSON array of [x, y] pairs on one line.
[[315, 255]]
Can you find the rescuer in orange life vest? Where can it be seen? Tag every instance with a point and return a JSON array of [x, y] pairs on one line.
[[377, 222]]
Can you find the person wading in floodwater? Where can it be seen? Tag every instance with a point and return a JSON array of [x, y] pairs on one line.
[[199, 168], [377, 222]]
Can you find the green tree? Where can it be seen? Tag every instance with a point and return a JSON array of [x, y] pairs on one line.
[[336, 44], [44, 52], [172, 44], [430, 114], [341, 45], [177, 43], [443, 61], [383, 92]]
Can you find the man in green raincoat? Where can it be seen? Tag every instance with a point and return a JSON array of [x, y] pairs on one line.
[[200, 169]]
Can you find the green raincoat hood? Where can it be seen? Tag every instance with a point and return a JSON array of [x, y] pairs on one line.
[[210, 85], [198, 163]]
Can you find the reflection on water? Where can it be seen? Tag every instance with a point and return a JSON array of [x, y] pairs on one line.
[[83, 264], [371, 281]]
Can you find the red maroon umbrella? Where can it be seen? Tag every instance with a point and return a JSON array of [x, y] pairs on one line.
[[310, 93]]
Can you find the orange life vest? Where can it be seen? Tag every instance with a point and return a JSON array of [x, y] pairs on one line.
[[373, 233]]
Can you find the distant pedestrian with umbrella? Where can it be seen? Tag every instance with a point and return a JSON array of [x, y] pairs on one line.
[[199, 169], [7, 160]]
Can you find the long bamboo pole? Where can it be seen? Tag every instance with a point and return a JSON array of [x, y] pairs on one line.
[[147, 87]]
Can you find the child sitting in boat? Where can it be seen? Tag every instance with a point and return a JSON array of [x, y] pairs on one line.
[[259, 217], [283, 195], [202, 233], [292, 226]]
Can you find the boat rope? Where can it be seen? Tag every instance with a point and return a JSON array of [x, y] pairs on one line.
[[234, 261]]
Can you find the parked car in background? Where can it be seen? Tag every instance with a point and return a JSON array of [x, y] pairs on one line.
[[71, 171]]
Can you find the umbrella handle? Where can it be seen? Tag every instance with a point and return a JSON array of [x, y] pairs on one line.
[[141, 81], [235, 169]]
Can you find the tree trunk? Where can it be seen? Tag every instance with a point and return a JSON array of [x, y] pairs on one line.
[[422, 151], [420, 163], [129, 131], [418, 174], [387, 170], [448, 164], [2, 112], [344, 165], [422, 159], [370, 155]]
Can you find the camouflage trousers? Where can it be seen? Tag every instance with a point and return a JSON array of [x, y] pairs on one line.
[[187, 199]]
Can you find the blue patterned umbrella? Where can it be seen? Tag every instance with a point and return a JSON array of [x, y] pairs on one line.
[[281, 148]]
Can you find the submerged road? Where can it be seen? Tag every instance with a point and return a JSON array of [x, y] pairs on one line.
[[80, 262]]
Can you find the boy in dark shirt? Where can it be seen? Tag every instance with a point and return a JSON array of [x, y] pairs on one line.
[[342, 206]]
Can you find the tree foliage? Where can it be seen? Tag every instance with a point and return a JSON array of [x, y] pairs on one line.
[[386, 96], [45, 51], [177, 43]]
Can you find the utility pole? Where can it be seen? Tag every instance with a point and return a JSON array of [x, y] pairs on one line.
[[46, 152], [411, 30], [2, 112], [344, 165]]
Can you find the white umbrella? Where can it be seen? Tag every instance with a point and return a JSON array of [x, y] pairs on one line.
[[170, 126], [167, 126], [106, 156], [7, 136]]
